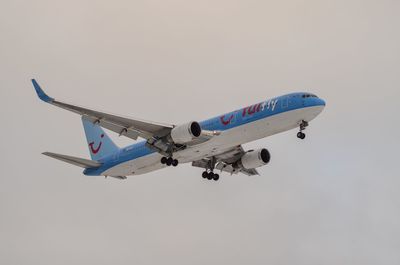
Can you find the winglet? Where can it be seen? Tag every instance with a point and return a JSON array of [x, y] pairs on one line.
[[43, 96]]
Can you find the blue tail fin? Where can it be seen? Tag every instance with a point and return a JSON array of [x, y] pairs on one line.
[[100, 144]]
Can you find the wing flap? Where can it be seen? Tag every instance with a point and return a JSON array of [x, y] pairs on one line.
[[226, 162], [131, 128], [118, 128]]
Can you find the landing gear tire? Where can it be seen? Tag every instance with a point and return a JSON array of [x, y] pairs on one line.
[[216, 177], [169, 161], [303, 126], [210, 175], [301, 135]]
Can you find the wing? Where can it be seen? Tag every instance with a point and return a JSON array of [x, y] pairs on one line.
[[227, 162], [158, 135], [132, 128]]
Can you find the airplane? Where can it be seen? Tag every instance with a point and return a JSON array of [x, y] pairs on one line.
[[214, 144]]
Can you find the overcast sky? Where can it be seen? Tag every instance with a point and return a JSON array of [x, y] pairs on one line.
[[331, 199]]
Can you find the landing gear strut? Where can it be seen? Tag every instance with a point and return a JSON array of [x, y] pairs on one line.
[[169, 161], [303, 126], [209, 174]]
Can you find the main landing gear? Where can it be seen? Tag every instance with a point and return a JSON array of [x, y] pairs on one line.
[[210, 175], [303, 126], [169, 161]]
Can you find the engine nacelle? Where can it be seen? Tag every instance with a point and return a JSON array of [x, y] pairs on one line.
[[185, 133], [255, 158]]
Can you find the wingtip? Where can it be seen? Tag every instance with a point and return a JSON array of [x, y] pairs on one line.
[[41, 94], [48, 154]]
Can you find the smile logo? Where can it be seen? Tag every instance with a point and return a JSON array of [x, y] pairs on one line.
[[226, 122], [97, 149]]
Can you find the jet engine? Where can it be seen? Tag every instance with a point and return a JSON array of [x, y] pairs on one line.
[[255, 158], [185, 133]]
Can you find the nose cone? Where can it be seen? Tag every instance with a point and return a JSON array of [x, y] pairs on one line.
[[319, 106], [314, 102], [321, 102], [314, 107]]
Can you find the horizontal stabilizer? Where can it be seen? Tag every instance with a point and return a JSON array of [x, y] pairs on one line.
[[76, 161]]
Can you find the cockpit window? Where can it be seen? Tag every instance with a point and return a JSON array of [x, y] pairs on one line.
[[308, 96]]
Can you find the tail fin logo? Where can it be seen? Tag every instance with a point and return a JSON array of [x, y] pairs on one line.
[[93, 149]]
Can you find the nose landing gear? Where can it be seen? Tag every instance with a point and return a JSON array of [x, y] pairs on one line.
[[301, 135], [303, 126]]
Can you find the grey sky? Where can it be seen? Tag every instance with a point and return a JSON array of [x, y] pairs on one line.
[[332, 199]]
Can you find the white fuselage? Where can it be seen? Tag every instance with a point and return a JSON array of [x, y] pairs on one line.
[[219, 144]]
